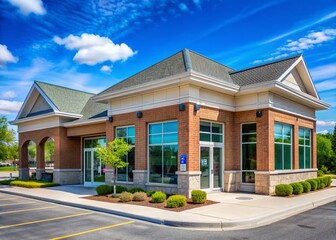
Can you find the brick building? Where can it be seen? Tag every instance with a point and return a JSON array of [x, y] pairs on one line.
[[193, 123]]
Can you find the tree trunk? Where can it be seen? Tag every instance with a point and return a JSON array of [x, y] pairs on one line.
[[114, 181]]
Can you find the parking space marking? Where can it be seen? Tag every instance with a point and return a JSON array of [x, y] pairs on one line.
[[11, 204], [92, 230], [29, 209], [46, 220]]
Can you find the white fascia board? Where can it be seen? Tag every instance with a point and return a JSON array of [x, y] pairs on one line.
[[52, 105], [304, 98], [28, 119], [292, 113], [85, 122], [285, 74], [184, 78], [256, 88]]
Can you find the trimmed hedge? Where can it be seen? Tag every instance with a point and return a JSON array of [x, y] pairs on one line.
[[32, 184], [297, 188], [159, 197], [319, 181], [150, 193], [306, 186], [283, 190], [126, 197], [139, 196], [313, 184], [136, 189], [104, 189], [198, 196], [120, 189], [176, 201], [6, 182]]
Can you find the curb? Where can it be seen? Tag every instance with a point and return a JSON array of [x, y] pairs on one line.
[[216, 225]]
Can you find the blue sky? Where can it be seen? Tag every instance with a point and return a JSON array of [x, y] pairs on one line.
[[91, 45]]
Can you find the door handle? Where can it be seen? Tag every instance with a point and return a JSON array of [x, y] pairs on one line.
[[211, 171]]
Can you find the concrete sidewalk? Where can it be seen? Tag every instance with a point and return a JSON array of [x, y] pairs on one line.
[[234, 210]]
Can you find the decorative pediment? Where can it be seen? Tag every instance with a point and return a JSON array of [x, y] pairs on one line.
[[36, 104], [297, 77]]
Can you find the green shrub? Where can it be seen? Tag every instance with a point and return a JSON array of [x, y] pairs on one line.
[[136, 189], [324, 169], [320, 173], [139, 196], [198, 196], [297, 188], [306, 186], [104, 189], [322, 185], [126, 197], [6, 182], [120, 189], [117, 195], [283, 190], [329, 181], [158, 197], [313, 184], [150, 193], [32, 184], [176, 201], [318, 180]]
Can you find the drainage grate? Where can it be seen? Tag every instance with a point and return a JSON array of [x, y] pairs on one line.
[[244, 198]]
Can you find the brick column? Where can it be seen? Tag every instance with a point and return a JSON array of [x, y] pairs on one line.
[[23, 161], [40, 162]]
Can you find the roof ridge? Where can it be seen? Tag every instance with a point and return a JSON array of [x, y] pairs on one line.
[[125, 79], [265, 64], [209, 59], [54, 85]]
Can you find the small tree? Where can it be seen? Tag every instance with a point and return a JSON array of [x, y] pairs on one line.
[[112, 156]]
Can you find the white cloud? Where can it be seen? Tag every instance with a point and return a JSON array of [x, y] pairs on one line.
[[309, 41], [324, 72], [106, 69], [9, 107], [6, 56], [325, 123], [27, 7], [326, 85], [8, 94], [93, 49], [183, 7], [324, 132]]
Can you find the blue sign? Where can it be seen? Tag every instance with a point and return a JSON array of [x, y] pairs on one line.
[[183, 159]]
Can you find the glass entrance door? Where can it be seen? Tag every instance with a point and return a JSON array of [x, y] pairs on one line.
[[211, 166], [94, 168]]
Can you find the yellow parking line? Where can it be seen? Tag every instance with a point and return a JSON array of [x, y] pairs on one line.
[[92, 230], [11, 204], [4, 199], [26, 210], [45, 220]]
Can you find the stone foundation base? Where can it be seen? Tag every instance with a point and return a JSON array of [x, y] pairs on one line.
[[188, 181], [140, 178], [24, 173], [232, 181], [67, 176], [165, 188], [39, 172], [265, 182]]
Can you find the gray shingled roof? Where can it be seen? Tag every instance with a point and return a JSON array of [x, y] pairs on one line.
[[180, 62], [65, 99], [266, 72], [93, 109]]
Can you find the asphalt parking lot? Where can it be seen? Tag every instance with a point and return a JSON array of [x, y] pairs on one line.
[[23, 218]]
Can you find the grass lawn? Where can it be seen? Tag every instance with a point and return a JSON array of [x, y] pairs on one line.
[[8, 169]]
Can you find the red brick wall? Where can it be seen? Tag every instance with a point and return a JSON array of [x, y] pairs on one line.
[[67, 150]]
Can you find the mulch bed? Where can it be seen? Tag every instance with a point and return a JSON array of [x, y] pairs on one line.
[[147, 203]]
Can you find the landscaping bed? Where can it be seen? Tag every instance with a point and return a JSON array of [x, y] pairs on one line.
[[147, 203], [32, 184]]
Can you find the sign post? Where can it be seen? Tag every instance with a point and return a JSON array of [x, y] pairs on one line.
[[183, 162]]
